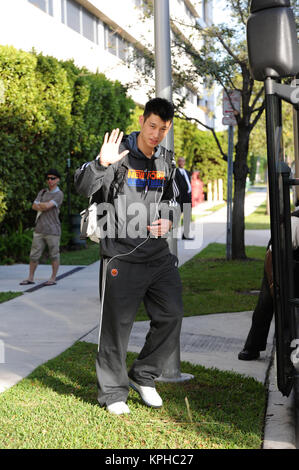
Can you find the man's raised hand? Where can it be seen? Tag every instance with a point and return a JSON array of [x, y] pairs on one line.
[[110, 148]]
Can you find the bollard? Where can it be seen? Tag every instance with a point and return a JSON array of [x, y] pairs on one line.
[[172, 372]]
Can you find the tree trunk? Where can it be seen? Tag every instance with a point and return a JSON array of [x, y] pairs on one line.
[[240, 175]]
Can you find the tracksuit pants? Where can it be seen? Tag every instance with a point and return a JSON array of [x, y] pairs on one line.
[[261, 319], [264, 310], [158, 284], [186, 210]]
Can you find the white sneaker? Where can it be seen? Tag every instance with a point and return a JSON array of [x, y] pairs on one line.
[[118, 408], [149, 395]]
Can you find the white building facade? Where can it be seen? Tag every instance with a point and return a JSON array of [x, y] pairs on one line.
[[106, 36]]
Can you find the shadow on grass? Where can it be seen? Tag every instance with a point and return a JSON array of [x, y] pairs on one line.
[[71, 373], [221, 406]]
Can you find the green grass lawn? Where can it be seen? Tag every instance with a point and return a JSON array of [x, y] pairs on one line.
[[56, 407], [84, 256], [258, 220], [4, 296], [211, 284]]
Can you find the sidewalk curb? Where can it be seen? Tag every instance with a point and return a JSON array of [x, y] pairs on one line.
[[280, 415]]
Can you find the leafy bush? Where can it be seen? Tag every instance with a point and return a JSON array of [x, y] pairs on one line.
[[252, 168], [35, 125], [51, 111], [2, 205], [15, 245]]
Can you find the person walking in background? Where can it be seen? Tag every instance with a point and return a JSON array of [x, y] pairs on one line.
[[47, 227], [136, 268], [183, 181], [256, 340]]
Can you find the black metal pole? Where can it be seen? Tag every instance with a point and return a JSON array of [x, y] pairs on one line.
[[229, 192], [296, 314], [171, 371], [277, 221], [68, 192]]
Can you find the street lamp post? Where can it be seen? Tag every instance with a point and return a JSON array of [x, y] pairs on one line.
[[163, 78], [163, 81]]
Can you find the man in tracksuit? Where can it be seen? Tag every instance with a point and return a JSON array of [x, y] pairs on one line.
[[136, 265]]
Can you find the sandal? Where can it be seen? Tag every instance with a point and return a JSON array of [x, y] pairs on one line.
[[26, 282]]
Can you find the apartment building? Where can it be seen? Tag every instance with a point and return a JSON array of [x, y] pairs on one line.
[[113, 37]]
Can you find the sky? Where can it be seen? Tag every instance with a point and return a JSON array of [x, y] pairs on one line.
[[220, 12]]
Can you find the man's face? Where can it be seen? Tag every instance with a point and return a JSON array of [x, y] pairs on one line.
[[153, 130], [181, 162], [52, 181]]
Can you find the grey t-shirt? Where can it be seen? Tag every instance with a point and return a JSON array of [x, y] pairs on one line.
[[48, 221]]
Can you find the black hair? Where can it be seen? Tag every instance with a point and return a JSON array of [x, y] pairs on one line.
[[54, 172], [161, 107]]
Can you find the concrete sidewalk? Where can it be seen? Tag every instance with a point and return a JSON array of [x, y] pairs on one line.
[[44, 322]]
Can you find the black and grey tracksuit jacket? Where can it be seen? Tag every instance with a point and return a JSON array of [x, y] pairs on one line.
[[147, 182]]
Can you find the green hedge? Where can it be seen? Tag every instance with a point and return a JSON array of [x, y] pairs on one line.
[[200, 150], [49, 111]]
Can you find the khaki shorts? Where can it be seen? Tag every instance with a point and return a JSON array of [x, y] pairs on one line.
[[39, 243]]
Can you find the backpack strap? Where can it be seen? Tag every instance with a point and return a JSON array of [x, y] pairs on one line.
[[119, 179], [168, 156]]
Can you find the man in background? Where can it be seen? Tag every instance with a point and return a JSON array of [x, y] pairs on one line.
[[183, 181], [47, 227]]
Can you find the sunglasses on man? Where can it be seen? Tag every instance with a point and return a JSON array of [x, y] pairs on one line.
[[51, 178]]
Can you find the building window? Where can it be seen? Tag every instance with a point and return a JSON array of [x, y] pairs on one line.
[[123, 49], [110, 40], [89, 25], [143, 5], [139, 61], [116, 44], [189, 12], [73, 11], [139, 3], [205, 11], [45, 5], [190, 96], [80, 19]]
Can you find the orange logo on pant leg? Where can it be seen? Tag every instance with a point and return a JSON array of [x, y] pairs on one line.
[[114, 272]]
